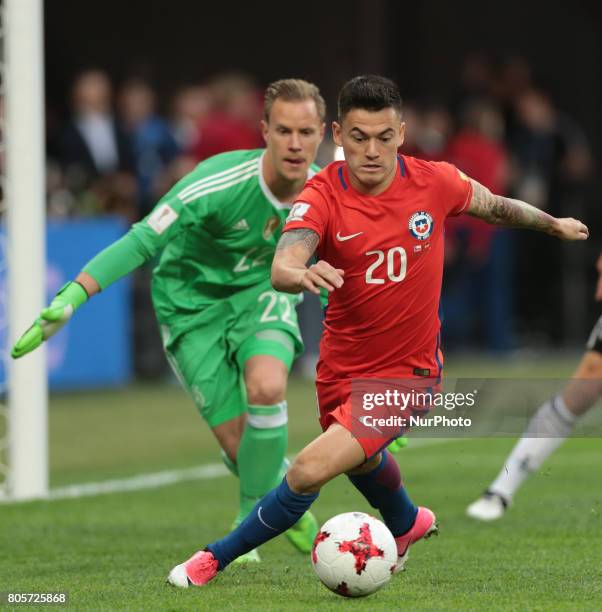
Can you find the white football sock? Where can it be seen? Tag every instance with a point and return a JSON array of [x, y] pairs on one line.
[[547, 430]]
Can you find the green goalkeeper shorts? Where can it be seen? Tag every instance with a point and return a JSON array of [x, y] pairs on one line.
[[209, 358]]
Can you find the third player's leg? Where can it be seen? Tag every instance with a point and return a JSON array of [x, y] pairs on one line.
[[550, 426], [585, 387]]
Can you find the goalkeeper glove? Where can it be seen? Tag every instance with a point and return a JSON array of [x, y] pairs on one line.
[[397, 444], [51, 319]]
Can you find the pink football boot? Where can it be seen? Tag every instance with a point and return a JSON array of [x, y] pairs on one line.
[[198, 570], [424, 526]]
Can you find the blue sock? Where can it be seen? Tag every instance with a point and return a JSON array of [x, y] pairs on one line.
[[274, 513], [384, 491]]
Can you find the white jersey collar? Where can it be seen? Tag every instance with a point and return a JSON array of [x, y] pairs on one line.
[[266, 190]]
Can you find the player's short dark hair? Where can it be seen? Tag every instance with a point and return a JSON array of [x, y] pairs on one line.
[[369, 92], [293, 90]]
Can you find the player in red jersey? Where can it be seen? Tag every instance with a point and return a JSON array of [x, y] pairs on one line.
[[376, 221], [383, 320]]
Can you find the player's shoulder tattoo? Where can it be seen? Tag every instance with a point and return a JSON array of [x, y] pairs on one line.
[[307, 237]]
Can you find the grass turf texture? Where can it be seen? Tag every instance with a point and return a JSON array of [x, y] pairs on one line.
[[113, 552]]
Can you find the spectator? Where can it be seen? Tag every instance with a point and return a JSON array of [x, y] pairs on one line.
[[93, 150], [93, 139], [413, 120], [552, 165], [234, 120], [436, 127], [549, 148], [189, 108], [154, 145], [428, 128], [477, 292]]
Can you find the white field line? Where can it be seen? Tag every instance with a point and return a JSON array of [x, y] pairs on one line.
[[160, 479], [140, 482]]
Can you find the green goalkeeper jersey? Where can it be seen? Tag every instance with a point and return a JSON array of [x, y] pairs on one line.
[[217, 231]]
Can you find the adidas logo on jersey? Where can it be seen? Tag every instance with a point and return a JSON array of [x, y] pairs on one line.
[[241, 225]]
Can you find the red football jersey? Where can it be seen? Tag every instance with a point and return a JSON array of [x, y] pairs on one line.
[[384, 320]]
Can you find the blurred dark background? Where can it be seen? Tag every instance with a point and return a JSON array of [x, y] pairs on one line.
[[139, 92]]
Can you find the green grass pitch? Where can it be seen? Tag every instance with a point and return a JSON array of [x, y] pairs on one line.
[[113, 552]]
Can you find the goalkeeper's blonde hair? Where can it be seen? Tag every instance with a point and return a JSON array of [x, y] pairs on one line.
[[293, 90]]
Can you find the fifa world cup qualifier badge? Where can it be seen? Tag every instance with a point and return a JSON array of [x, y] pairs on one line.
[[421, 225]]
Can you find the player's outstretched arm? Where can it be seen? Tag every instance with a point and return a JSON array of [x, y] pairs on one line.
[[116, 261], [52, 318], [145, 239], [289, 267], [499, 210]]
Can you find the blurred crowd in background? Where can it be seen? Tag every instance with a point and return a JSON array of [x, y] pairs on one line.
[[122, 146], [121, 149], [503, 289]]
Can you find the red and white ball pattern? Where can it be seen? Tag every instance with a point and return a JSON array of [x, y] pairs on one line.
[[354, 554]]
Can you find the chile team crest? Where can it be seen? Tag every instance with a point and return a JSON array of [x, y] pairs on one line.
[[421, 225]]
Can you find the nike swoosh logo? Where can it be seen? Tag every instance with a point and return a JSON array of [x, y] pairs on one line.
[[262, 521], [343, 238]]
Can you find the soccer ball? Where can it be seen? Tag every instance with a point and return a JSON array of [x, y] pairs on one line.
[[354, 554]]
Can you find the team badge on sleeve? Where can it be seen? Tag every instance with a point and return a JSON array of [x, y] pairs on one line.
[[421, 225], [297, 211], [161, 218]]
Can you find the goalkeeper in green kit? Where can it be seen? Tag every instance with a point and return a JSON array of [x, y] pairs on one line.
[[230, 338]]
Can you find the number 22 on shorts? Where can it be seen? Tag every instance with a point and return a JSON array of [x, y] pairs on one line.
[[271, 313]]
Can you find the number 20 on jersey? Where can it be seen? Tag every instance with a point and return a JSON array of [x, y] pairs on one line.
[[394, 269]]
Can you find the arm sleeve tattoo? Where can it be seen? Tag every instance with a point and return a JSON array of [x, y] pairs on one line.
[[499, 210], [307, 237]]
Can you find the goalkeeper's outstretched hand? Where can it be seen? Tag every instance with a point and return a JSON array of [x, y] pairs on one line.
[[51, 319]]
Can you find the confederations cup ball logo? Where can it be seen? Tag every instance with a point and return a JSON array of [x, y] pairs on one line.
[[421, 225]]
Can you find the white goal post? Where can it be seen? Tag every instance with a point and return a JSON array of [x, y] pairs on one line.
[[24, 199]]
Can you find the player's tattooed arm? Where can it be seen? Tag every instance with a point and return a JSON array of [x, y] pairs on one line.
[[289, 267], [499, 210], [306, 237]]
